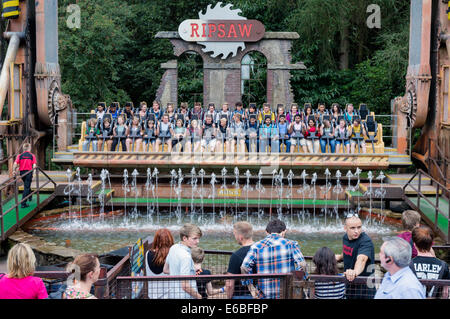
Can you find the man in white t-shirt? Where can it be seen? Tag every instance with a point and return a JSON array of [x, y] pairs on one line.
[[179, 263]]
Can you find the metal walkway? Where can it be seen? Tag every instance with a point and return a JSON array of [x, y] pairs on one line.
[[12, 214]]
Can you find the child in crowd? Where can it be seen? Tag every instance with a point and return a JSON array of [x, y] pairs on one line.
[[312, 136], [128, 111], [184, 113], [237, 130], [251, 111], [320, 113], [180, 136], [195, 133], [283, 133], [280, 111], [114, 110], [290, 116], [307, 112], [252, 130], [266, 112], [350, 113], [204, 286], [410, 220], [267, 136], [224, 112], [120, 133], [156, 109], [342, 134], [100, 111], [357, 136], [240, 110], [106, 135], [335, 113], [196, 113], [209, 128], [296, 129], [164, 132], [91, 136], [327, 137], [325, 261], [143, 112], [149, 135], [170, 111], [223, 136], [212, 112], [134, 137]]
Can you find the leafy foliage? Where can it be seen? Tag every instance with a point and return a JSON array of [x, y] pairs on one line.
[[115, 56]]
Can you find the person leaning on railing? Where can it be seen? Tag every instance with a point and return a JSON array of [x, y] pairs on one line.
[[26, 162], [19, 282]]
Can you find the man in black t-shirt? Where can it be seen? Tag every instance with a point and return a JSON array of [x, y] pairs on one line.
[[358, 256], [243, 233], [425, 265]]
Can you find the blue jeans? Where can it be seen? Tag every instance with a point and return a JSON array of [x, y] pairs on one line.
[[286, 142], [253, 141], [264, 142], [323, 145]]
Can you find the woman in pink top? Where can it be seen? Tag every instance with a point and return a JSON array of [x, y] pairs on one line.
[[19, 282]]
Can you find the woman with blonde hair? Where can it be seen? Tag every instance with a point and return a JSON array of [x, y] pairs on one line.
[[86, 270], [20, 283]]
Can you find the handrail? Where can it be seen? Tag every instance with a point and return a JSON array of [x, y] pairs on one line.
[[5, 160], [14, 181], [440, 187], [435, 161]]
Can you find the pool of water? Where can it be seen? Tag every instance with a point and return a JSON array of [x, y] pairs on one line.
[[107, 233]]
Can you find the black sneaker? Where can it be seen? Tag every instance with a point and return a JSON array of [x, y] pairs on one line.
[[25, 205]]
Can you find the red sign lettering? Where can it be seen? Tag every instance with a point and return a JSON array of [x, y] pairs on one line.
[[221, 30]]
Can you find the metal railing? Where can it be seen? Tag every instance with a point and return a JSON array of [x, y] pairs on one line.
[[6, 160], [118, 284], [441, 191], [441, 162], [14, 182]]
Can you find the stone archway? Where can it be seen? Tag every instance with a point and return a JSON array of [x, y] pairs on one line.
[[222, 78]]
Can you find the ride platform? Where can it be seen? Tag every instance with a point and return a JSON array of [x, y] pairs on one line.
[[168, 161]]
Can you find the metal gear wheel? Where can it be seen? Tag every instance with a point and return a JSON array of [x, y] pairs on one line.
[[221, 13]]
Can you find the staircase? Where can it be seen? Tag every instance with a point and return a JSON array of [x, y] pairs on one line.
[[12, 215]]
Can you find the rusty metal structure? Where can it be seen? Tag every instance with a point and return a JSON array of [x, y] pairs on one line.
[[30, 82], [426, 103]]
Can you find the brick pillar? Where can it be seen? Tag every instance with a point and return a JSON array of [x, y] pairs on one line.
[[168, 88]]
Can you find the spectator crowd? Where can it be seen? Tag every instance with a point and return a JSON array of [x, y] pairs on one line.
[[406, 258]]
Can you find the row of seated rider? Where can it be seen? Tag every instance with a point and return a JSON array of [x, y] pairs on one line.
[[198, 113], [207, 136]]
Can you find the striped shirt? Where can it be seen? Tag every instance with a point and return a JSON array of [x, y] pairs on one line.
[[274, 254], [329, 290]]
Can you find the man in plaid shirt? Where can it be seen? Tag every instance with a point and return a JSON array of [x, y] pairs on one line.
[[273, 254]]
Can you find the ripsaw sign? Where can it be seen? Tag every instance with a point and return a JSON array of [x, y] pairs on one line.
[[221, 30]]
